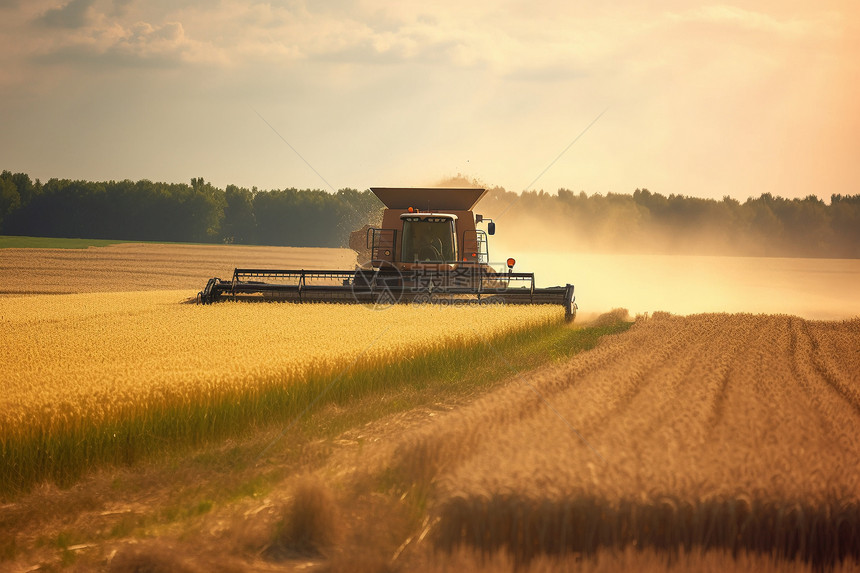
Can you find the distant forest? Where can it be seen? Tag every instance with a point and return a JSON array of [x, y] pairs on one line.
[[566, 221], [647, 222], [179, 212]]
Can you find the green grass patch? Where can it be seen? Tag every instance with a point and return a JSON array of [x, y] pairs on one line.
[[66, 452], [15, 242], [21, 242], [459, 374]]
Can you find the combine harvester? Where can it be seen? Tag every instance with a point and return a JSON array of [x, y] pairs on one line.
[[428, 250]]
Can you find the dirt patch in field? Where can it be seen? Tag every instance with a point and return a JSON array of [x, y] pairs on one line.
[[136, 266]]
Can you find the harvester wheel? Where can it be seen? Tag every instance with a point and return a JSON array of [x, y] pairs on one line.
[[569, 304], [570, 312]]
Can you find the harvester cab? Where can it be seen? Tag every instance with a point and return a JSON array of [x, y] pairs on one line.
[[428, 226], [429, 238], [429, 249]]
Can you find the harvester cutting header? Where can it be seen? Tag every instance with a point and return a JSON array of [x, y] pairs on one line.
[[429, 249]]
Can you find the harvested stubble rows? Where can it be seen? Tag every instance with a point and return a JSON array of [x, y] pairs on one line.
[[137, 266], [724, 432], [92, 378]]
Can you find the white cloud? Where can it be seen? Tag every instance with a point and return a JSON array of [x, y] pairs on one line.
[[381, 90], [528, 45], [107, 42]]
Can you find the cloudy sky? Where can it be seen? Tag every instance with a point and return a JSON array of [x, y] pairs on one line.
[[698, 98]]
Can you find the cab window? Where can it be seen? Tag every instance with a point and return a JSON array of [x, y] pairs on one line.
[[428, 240]]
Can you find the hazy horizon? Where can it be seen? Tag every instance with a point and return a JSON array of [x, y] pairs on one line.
[[814, 289], [704, 99]]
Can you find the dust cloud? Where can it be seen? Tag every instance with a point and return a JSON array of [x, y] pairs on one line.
[[825, 289], [616, 257]]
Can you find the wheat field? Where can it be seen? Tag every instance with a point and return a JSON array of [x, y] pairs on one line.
[[708, 440], [709, 432], [86, 375]]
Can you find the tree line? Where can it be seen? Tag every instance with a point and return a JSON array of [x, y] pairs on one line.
[[178, 212], [639, 222], [650, 222]]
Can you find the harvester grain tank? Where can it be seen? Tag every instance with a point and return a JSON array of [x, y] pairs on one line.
[[430, 248]]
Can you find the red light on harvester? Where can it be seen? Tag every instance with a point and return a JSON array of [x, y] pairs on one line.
[[411, 210], [511, 263]]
